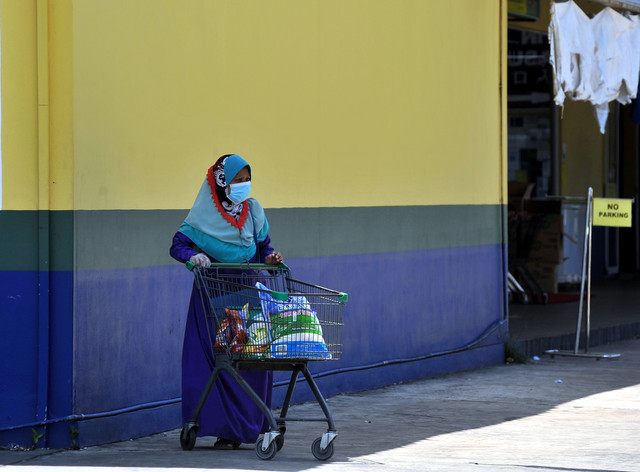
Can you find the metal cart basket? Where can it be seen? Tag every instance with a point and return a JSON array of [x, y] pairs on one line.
[[260, 318]]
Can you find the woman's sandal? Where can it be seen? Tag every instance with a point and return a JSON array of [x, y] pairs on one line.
[[226, 444]]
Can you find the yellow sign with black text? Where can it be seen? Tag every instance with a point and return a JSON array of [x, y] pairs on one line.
[[524, 8], [612, 212]]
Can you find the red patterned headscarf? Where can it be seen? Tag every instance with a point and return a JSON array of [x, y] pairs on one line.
[[235, 213]]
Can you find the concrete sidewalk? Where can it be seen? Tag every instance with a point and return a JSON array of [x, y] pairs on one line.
[[615, 316], [560, 414]]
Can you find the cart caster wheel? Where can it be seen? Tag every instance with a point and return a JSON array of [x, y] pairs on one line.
[[280, 438], [188, 436], [321, 454], [270, 452]]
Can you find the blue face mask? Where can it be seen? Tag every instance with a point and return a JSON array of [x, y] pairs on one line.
[[238, 193]]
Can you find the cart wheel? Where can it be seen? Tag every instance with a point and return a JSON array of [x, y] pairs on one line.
[[321, 454], [271, 451], [188, 436], [279, 442], [280, 438]]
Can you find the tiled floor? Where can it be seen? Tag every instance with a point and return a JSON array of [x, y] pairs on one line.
[[614, 313]]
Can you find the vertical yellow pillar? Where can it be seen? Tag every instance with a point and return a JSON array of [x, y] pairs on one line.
[[43, 103], [42, 28], [503, 102]]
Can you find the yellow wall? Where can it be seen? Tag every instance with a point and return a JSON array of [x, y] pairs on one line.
[[61, 98], [334, 103], [585, 148], [19, 105]]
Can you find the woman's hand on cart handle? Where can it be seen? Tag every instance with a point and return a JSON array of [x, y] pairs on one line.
[[200, 260], [274, 258]]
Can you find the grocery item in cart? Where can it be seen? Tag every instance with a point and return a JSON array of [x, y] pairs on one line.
[[232, 333], [295, 328], [258, 334]]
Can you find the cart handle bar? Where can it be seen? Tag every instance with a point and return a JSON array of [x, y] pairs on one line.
[[229, 265], [282, 296]]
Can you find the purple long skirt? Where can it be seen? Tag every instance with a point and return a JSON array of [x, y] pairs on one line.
[[228, 411]]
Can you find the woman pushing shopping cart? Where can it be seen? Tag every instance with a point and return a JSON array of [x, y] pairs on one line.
[[258, 318], [224, 225]]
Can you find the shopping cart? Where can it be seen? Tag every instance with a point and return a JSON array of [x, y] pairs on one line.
[[260, 318]]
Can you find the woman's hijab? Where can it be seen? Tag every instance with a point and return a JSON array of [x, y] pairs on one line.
[[221, 228], [218, 178]]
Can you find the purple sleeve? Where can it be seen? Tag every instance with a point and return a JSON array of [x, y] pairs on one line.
[[265, 248], [182, 247]]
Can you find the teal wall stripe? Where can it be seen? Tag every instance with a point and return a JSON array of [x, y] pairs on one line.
[[325, 232], [21, 247], [123, 239], [18, 240], [61, 240], [112, 239]]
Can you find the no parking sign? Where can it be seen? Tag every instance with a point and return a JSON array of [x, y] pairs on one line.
[[612, 212]]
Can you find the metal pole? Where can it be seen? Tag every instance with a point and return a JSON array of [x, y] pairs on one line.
[[586, 278], [587, 239], [590, 223]]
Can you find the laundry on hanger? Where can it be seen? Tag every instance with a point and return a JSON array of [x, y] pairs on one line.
[[596, 60], [572, 44], [616, 75]]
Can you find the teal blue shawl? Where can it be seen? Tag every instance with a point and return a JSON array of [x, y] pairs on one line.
[[218, 235]]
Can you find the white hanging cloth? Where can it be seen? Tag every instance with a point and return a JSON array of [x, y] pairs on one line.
[[572, 44], [616, 47], [596, 60]]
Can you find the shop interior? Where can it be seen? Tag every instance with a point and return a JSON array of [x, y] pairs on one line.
[[547, 216]]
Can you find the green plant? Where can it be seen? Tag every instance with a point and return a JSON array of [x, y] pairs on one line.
[[513, 354], [73, 434], [35, 437]]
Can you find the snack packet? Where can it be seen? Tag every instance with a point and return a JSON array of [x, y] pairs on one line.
[[232, 333]]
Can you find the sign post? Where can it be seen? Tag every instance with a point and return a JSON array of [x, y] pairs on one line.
[[600, 212]]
